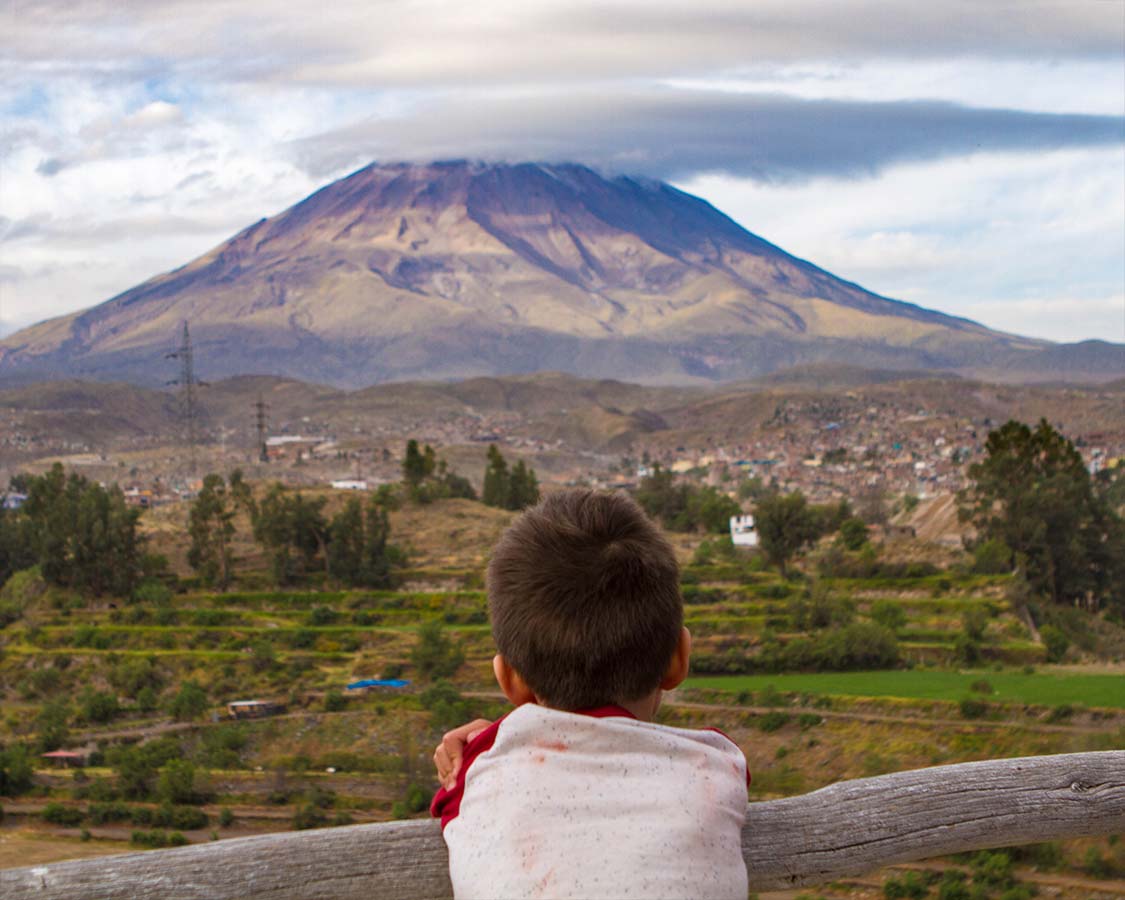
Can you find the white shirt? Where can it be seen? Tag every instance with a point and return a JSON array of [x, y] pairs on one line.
[[596, 804]]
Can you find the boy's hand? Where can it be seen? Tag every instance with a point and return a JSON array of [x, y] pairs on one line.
[[447, 756]]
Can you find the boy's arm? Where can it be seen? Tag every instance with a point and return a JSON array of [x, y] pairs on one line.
[[449, 753]]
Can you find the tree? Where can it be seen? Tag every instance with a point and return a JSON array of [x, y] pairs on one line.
[[416, 464], [663, 498], [786, 524], [358, 550], [1033, 493], [853, 534], [435, 656], [81, 535], [495, 490], [211, 527], [97, 707], [52, 724], [16, 771], [177, 782], [293, 531], [190, 702], [711, 510], [523, 487]]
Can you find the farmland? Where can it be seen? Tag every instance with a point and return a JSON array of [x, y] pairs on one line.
[[336, 756]]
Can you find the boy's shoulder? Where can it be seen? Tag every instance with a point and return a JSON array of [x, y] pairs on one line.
[[550, 747], [577, 797]]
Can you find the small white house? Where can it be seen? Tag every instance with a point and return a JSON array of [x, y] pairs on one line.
[[355, 484], [743, 532]]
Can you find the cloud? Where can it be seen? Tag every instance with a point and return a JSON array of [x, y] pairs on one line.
[[674, 133], [432, 42]]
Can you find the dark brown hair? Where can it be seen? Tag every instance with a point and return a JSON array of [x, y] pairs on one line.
[[584, 597]]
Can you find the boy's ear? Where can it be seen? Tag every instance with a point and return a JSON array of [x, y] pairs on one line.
[[511, 683], [678, 666]]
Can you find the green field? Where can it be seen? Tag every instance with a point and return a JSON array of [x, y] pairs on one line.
[[1045, 689]]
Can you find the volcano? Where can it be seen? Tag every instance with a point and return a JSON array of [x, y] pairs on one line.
[[457, 269]]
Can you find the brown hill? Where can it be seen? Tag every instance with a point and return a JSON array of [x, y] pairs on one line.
[[452, 270], [602, 416]]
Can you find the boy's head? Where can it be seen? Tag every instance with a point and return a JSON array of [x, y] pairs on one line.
[[584, 597]]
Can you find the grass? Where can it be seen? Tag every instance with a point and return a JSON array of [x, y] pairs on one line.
[[1041, 688]]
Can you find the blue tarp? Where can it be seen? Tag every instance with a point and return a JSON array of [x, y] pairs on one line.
[[378, 682]]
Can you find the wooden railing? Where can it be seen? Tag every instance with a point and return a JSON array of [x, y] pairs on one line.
[[844, 829]]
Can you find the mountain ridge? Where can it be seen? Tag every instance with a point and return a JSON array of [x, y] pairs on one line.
[[455, 269]]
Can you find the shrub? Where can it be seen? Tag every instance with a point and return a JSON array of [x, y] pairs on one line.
[[1055, 642], [992, 557], [59, 814], [334, 701], [97, 707], [446, 706], [15, 771], [308, 815], [889, 614], [952, 886], [1096, 865], [992, 870], [435, 656], [772, 721], [981, 686], [189, 702], [1060, 713], [971, 708], [911, 885]]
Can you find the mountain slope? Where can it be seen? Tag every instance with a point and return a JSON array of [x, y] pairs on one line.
[[457, 269]]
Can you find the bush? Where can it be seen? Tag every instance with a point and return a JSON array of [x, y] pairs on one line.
[[334, 701], [226, 817], [889, 614], [993, 870], [911, 885], [97, 707], [971, 708], [59, 814], [189, 703], [435, 656], [992, 557], [952, 886], [15, 771], [446, 706], [772, 721], [1096, 865], [158, 839], [308, 815], [981, 686], [853, 534], [1055, 642]]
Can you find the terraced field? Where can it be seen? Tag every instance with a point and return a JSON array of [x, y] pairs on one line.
[[334, 757]]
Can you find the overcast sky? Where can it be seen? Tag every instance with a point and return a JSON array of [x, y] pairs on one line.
[[968, 155]]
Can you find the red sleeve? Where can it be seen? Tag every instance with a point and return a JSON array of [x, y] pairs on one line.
[[447, 803], [728, 737]]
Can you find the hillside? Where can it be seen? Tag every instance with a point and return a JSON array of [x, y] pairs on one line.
[[546, 413], [454, 270]]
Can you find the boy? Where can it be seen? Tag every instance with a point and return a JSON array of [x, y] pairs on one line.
[[577, 793]]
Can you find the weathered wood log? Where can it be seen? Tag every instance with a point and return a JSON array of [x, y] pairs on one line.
[[844, 829]]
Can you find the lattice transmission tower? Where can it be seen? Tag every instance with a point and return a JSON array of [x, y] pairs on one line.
[[189, 406], [260, 410]]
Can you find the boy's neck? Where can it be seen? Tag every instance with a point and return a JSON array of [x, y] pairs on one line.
[[644, 709]]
